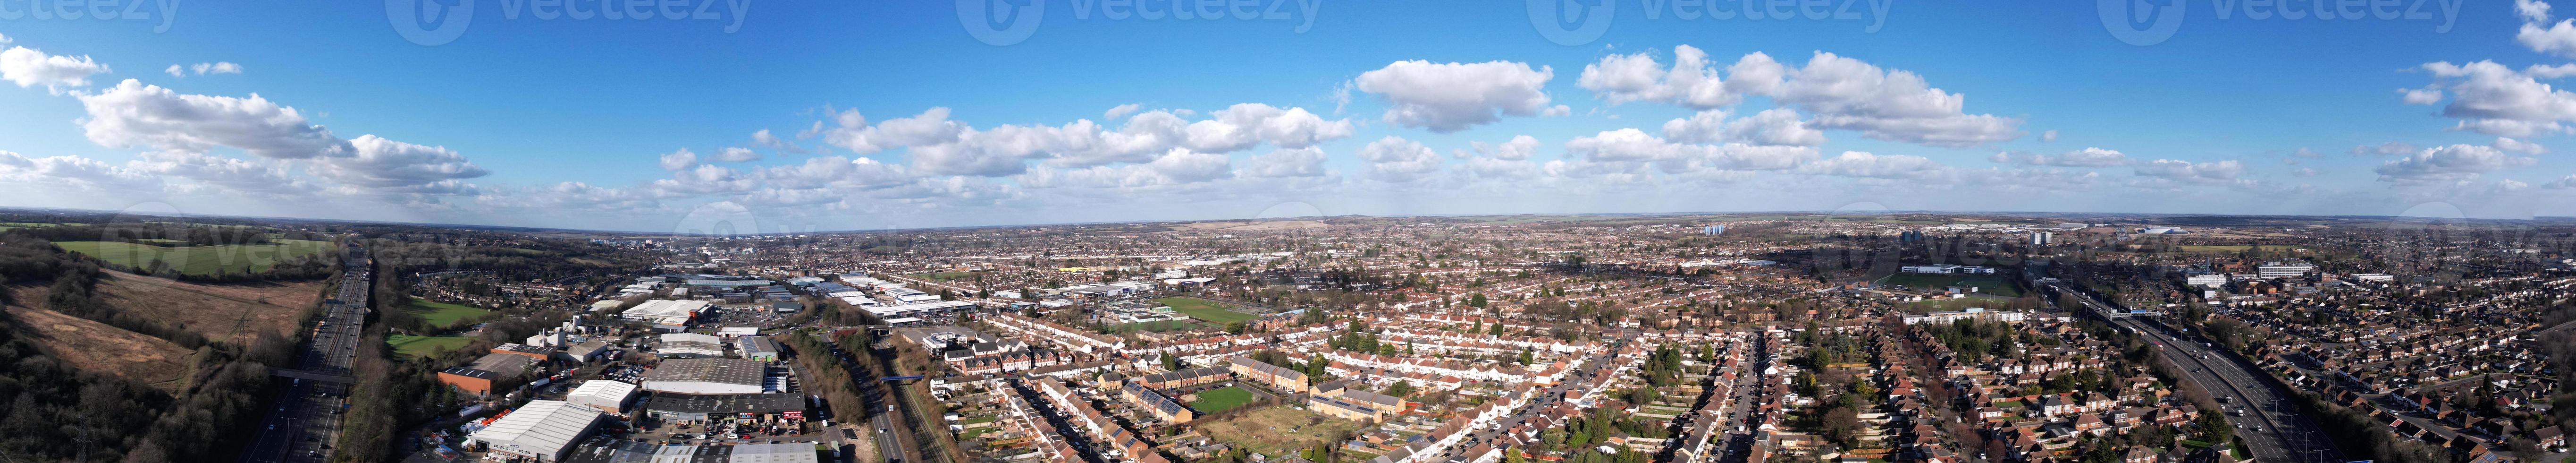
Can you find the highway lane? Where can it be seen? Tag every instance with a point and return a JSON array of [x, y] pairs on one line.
[[306, 420], [2272, 424]]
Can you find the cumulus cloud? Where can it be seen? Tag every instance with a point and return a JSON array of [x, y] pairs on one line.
[[1175, 167], [2557, 39], [76, 172], [1520, 147], [765, 139], [2568, 182], [28, 67], [677, 160], [235, 174], [852, 131], [1692, 81], [2448, 163], [1395, 159], [1771, 127], [1636, 146], [136, 115], [1119, 111], [1869, 165], [1449, 97], [2394, 148], [736, 154], [1842, 93], [203, 69], [2496, 100], [2200, 173], [942, 147], [1300, 162], [382, 163], [2087, 157], [2519, 146], [2048, 136]]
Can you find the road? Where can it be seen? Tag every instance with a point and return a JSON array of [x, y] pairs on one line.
[[1602, 364], [1743, 416], [894, 440], [307, 419], [2272, 425]]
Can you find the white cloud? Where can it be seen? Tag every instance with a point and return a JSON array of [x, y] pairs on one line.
[[2202, 173], [2519, 146], [736, 154], [2420, 96], [1692, 82], [1868, 165], [1520, 147], [2493, 99], [382, 163], [203, 69], [765, 139], [2448, 163], [1842, 93], [1245, 125], [28, 67], [677, 160], [1300, 162], [2394, 148], [1395, 159], [2048, 136], [236, 174], [1119, 111], [1449, 97], [2087, 157], [2558, 39], [1635, 146], [851, 131], [1771, 127], [2568, 182], [136, 115], [77, 172]]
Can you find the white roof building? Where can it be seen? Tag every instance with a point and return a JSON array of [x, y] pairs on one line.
[[690, 345], [665, 313], [707, 376], [544, 430], [792, 452], [605, 395]]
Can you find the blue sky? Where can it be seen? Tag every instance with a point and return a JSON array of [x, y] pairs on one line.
[[488, 128]]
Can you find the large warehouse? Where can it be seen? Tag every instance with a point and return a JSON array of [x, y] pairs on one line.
[[544, 430], [707, 376], [605, 395]]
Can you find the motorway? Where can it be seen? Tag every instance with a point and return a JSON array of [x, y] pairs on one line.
[[2272, 425], [307, 419], [893, 440]]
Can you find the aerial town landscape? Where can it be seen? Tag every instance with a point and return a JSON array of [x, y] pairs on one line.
[[1914, 337], [1287, 231]]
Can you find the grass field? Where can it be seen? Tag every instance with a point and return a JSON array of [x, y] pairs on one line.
[[198, 260], [944, 276], [424, 346], [441, 313], [1204, 309], [1277, 430], [1989, 284], [1156, 327], [97, 347], [1214, 401], [218, 311]]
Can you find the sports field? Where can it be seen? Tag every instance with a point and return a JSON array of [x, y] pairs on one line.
[[1219, 400], [441, 313], [424, 346], [1989, 284], [198, 260], [1204, 309]]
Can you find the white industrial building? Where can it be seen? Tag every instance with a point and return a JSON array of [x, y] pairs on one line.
[[707, 376], [2209, 281], [689, 345], [543, 430], [1970, 314], [2279, 270], [665, 314], [921, 309], [605, 395], [1945, 269]]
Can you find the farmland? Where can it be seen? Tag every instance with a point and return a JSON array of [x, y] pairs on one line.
[[1203, 309], [198, 260], [217, 311]]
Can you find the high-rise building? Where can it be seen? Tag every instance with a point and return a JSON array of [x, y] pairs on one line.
[[1713, 230], [2042, 238]]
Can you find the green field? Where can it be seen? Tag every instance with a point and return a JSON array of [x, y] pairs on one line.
[[441, 313], [198, 260], [1156, 326], [1989, 284], [424, 346], [1204, 309], [1219, 400], [944, 276]]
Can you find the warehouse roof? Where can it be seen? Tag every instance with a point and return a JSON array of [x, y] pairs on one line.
[[545, 427], [726, 403], [714, 370]]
